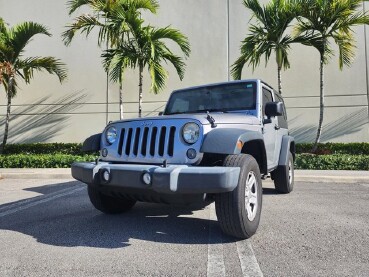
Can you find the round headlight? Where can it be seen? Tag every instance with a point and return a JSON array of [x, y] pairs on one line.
[[191, 132], [111, 135]]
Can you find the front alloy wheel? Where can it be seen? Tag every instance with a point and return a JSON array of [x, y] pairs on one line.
[[251, 196]]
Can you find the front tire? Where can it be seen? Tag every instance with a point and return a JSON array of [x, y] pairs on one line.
[[109, 204], [239, 211]]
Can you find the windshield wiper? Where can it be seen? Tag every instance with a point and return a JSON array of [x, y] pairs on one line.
[[211, 120]]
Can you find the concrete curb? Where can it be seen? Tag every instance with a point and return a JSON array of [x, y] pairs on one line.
[[314, 176], [332, 179], [37, 173], [332, 176]]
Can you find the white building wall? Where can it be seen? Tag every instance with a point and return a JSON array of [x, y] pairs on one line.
[[47, 111]]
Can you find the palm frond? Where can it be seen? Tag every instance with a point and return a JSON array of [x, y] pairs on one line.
[[73, 5], [173, 35], [256, 8], [346, 24], [237, 67], [148, 5], [346, 47], [49, 64], [267, 34], [177, 62], [21, 34], [2, 26], [109, 16], [158, 76], [116, 68], [117, 60], [6, 51], [323, 20], [84, 24]]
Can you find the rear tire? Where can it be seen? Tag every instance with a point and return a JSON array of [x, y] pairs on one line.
[[239, 211], [109, 204], [284, 176]]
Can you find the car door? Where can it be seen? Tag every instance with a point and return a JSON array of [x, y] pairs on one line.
[[269, 131]]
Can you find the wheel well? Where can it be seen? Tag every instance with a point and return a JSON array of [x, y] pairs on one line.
[[212, 159], [256, 149]]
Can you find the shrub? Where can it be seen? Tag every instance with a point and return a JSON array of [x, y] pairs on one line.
[[44, 148], [75, 148], [42, 161], [332, 162], [335, 148], [332, 156]]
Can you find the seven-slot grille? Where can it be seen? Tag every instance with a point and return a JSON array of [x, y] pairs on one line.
[[147, 141]]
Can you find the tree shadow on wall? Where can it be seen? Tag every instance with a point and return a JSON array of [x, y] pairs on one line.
[[41, 120], [344, 125]]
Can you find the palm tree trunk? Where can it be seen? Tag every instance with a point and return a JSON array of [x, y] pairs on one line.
[[7, 119], [120, 100], [280, 79], [321, 116], [140, 92]]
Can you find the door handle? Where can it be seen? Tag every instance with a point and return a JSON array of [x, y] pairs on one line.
[[277, 127]]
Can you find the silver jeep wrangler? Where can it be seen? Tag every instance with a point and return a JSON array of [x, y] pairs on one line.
[[213, 142]]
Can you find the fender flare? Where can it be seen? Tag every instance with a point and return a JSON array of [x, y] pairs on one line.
[[92, 144], [288, 145], [228, 141]]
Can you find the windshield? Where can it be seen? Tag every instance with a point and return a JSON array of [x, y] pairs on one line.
[[219, 98]]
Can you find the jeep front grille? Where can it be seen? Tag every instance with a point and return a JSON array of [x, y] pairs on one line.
[[147, 141]]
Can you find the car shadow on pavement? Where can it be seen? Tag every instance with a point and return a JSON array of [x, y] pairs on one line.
[[47, 189], [270, 191], [72, 221]]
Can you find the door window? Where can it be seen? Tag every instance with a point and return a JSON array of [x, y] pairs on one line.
[[267, 97], [282, 120]]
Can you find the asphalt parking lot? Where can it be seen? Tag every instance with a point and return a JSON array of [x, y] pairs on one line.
[[49, 228]]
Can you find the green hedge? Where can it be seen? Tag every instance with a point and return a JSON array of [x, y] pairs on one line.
[[332, 162], [42, 161], [335, 148], [75, 148], [44, 148], [333, 156], [303, 161]]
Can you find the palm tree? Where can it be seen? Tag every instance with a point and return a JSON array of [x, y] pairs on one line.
[[15, 66], [147, 47], [109, 17], [323, 22], [267, 35]]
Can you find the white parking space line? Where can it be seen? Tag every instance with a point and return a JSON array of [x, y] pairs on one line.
[[249, 264], [216, 265], [11, 209]]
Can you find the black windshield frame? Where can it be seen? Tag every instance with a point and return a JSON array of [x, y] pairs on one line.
[[225, 97]]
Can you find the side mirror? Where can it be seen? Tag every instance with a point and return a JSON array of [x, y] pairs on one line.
[[160, 113], [273, 109]]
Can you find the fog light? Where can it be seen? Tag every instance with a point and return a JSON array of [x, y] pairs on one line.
[[104, 152], [106, 175], [146, 178], [191, 153]]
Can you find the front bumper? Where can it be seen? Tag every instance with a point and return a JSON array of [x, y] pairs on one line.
[[179, 179]]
